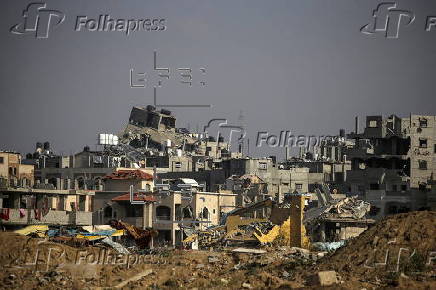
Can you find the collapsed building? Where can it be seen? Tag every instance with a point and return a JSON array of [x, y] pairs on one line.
[[294, 222], [156, 132]]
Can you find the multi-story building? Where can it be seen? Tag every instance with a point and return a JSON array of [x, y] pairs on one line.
[[31, 206], [114, 201], [279, 180], [198, 210], [333, 173], [167, 211], [393, 162]]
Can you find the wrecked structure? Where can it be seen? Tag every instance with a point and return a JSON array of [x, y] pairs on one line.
[[334, 220], [155, 132], [161, 188], [327, 162], [393, 163], [149, 140], [179, 212], [249, 188], [278, 179], [136, 197], [294, 222]]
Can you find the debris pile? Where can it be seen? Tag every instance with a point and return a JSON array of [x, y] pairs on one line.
[[349, 207], [142, 237], [94, 235], [239, 228]]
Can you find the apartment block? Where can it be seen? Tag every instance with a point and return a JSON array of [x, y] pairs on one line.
[[393, 163]]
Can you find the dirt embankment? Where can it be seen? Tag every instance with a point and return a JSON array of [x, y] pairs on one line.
[[397, 251]]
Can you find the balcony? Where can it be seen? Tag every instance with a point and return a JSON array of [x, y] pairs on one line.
[[53, 217]]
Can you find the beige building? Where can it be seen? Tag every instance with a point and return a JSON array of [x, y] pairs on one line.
[[167, 211], [23, 206], [170, 214], [114, 201], [13, 173]]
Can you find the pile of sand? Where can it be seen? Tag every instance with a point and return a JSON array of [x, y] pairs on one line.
[[398, 246]]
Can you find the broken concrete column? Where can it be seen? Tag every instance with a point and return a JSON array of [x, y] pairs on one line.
[[296, 215]]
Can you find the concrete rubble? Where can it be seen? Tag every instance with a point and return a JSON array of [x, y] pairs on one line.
[[238, 229]]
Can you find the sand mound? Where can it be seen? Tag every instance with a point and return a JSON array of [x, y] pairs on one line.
[[403, 243]]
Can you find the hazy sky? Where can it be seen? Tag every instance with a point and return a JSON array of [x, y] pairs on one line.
[[302, 66]]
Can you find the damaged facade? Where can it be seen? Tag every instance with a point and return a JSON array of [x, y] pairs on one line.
[[393, 163]]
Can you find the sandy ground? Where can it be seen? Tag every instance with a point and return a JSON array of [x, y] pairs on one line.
[[37, 263]]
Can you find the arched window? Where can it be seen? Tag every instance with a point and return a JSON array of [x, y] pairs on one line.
[[205, 213], [163, 213], [97, 183]]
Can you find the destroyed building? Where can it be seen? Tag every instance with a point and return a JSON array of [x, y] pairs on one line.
[[393, 163], [249, 188], [24, 202], [327, 162], [279, 180], [155, 132], [178, 212]]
